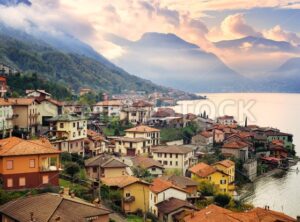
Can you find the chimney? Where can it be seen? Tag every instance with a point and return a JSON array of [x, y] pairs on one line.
[[298, 218]]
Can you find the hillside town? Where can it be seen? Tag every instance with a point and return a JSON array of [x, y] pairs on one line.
[[128, 158]]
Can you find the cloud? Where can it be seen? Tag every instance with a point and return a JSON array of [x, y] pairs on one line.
[[278, 34], [232, 27]]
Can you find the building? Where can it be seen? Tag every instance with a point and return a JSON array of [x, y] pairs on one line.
[[286, 138], [174, 157], [3, 86], [134, 192], [25, 114], [95, 143], [203, 172], [134, 115], [68, 132], [26, 164], [161, 190], [73, 107], [84, 91], [48, 207], [143, 131], [250, 168], [154, 167], [226, 120], [213, 213], [104, 166], [203, 139], [6, 118], [37, 93], [238, 149], [185, 183], [108, 108], [227, 167], [173, 209]]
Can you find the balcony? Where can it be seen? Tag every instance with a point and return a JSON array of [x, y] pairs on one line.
[[49, 168], [129, 199]]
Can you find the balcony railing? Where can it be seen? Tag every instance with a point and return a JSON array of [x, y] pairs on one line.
[[49, 168], [129, 199]]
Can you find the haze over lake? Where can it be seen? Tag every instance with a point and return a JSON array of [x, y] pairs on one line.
[[267, 109]]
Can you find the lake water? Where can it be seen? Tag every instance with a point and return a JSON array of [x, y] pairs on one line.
[[281, 111]]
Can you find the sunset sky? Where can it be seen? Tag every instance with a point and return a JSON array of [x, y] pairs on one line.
[[198, 21]]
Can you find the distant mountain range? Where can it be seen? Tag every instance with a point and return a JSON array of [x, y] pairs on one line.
[[66, 60], [169, 60]]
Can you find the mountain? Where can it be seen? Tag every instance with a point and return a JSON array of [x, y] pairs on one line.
[[28, 53], [286, 78], [169, 60], [256, 43]]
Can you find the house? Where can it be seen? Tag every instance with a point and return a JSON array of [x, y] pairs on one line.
[[26, 164], [213, 213], [185, 183], [238, 149], [134, 192], [227, 167], [68, 132], [73, 107], [161, 190], [174, 157], [143, 131], [37, 93], [108, 108], [226, 120], [95, 143], [3, 86], [277, 149], [48, 207], [203, 139], [154, 167], [25, 114], [134, 115], [84, 91], [104, 166], [250, 168], [6, 118], [203, 172], [219, 136], [148, 107], [285, 137], [172, 209]]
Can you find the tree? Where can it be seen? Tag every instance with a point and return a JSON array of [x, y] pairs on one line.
[[72, 169], [141, 172], [222, 199]]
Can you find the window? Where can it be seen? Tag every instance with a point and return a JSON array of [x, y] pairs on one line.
[[153, 168], [10, 182], [170, 163], [61, 125], [22, 181], [32, 163], [127, 194], [165, 155], [94, 169], [74, 125], [9, 164], [74, 134], [176, 163], [45, 179], [176, 156], [170, 155], [165, 162]]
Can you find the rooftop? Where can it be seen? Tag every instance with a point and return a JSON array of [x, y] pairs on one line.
[[159, 185], [202, 169], [110, 103], [226, 163], [66, 118], [121, 181], [142, 129], [146, 162], [172, 204], [235, 145], [180, 181], [172, 149], [21, 101]]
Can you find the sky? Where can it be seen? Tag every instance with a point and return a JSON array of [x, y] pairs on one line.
[[198, 21]]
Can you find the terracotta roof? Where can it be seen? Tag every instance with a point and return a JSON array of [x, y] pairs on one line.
[[37, 90], [110, 103], [159, 185], [49, 206], [66, 118], [121, 182], [114, 163], [235, 145], [105, 161], [172, 204], [226, 163], [93, 135], [202, 170], [146, 162], [142, 103], [142, 129], [5, 102], [172, 149], [21, 101], [206, 134], [14, 146], [225, 117], [129, 139], [180, 181]]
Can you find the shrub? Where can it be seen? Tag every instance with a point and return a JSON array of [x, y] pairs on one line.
[[222, 199]]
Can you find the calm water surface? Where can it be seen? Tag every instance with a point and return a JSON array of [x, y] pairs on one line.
[[281, 111]]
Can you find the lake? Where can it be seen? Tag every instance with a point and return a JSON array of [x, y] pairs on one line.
[[276, 110]]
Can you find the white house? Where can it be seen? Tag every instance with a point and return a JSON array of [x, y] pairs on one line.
[[226, 120], [109, 107]]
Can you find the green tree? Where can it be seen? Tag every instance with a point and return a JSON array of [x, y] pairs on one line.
[[72, 169], [222, 199]]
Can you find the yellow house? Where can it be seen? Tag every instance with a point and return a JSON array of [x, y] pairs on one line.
[[203, 172], [134, 191], [228, 167]]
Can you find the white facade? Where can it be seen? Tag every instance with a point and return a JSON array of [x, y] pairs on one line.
[[156, 198], [6, 125]]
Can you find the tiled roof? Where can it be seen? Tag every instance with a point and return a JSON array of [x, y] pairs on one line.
[[121, 181], [105, 161], [225, 117], [142, 103], [142, 129], [202, 170], [146, 162], [180, 181], [129, 139], [113, 163], [93, 135], [235, 145], [172, 204], [159, 185], [5, 102], [48, 206], [14, 146], [110, 103], [226, 163], [206, 134], [172, 149], [21, 101]]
